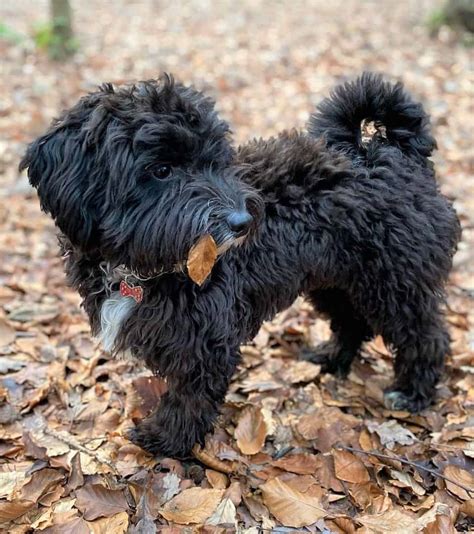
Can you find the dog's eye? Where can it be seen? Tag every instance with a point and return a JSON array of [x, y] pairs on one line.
[[162, 171]]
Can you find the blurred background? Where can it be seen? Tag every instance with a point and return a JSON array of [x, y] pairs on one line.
[[267, 63]]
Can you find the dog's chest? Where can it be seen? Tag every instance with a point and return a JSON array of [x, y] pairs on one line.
[[122, 298], [114, 311]]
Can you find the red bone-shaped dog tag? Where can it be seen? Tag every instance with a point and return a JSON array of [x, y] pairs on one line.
[[128, 291]]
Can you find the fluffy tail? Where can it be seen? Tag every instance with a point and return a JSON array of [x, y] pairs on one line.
[[369, 109]]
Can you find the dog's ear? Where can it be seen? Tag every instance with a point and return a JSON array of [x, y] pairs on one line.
[[61, 167]]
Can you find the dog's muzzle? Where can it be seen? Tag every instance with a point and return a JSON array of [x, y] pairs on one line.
[[240, 222]]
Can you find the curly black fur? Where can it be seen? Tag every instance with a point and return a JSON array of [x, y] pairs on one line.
[[361, 230]]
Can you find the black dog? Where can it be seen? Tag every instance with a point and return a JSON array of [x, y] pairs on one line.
[[133, 178]]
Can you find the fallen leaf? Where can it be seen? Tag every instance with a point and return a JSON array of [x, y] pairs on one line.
[[193, 505], [74, 526], [302, 464], [259, 511], [10, 364], [300, 371], [39, 483], [407, 481], [370, 497], [391, 432], [7, 333], [225, 514], [116, 524], [349, 467], [52, 446], [468, 508], [149, 390], [394, 521], [11, 478], [216, 479], [40, 313], [290, 506], [201, 259], [462, 477], [94, 500], [234, 492], [442, 524], [251, 431], [311, 425], [171, 486], [76, 476], [15, 509]]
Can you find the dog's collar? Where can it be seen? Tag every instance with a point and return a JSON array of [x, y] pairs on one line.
[[131, 283]]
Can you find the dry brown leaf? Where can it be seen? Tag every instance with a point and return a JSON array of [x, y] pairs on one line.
[[12, 510], [290, 506], [391, 432], [76, 525], [302, 464], [94, 500], [341, 525], [394, 521], [234, 492], [171, 486], [51, 445], [370, 498], [325, 474], [12, 477], [462, 477], [251, 431], [300, 371], [7, 333], [325, 419], [225, 514], [349, 468], [201, 259], [193, 505], [259, 511], [76, 476], [39, 483], [404, 480], [216, 479], [468, 508], [116, 524], [442, 524]]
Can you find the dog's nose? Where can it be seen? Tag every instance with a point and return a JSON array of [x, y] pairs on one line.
[[239, 222]]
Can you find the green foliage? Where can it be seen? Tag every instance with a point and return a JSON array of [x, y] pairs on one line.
[[47, 38], [436, 20], [9, 34], [458, 15]]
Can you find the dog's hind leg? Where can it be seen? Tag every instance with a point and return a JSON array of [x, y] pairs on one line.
[[349, 331], [420, 347]]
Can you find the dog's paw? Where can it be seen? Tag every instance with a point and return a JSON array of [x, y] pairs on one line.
[[399, 401], [330, 356], [158, 441]]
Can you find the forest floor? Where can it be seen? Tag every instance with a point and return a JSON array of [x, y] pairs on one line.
[[292, 449]]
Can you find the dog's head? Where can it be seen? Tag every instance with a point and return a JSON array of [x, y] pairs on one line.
[[140, 173]]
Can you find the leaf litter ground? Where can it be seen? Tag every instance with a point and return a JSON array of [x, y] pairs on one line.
[[293, 448]]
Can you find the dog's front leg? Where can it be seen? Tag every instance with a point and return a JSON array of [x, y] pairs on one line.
[[188, 410]]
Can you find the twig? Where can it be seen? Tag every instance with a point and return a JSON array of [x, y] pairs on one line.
[[214, 463], [469, 293], [469, 491], [78, 447]]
